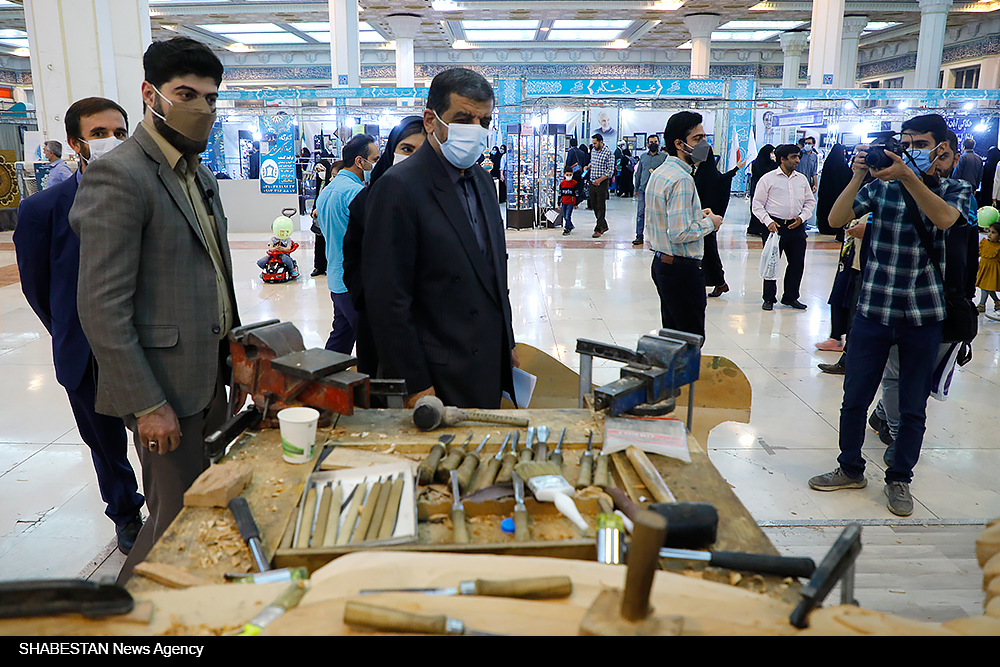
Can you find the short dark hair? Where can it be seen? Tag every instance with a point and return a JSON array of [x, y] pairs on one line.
[[931, 123], [89, 106], [598, 136], [462, 82], [572, 141], [785, 150], [953, 141], [180, 56], [357, 147], [969, 143], [678, 126]]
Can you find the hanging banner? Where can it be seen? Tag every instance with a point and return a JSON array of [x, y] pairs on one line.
[[323, 94], [803, 119], [643, 88], [277, 155], [933, 94], [214, 156]]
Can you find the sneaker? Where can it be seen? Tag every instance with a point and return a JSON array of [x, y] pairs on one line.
[[566, 232], [837, 480], [876, 422], [127, 534], [767, 306], [638, 241], [981, 308], [900, 502], [889, 455], [830, 345]]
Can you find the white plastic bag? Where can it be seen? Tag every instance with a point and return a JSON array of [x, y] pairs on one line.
[[770, 258]]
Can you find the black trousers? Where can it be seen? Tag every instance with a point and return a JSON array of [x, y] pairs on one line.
[[792, 244], [681, 286], [319, 255], [714, 274], [599, 203]]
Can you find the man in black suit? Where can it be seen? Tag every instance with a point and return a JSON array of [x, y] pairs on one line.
[[48, 259], [434, 259]]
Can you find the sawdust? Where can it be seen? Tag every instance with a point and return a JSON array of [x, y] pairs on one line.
[[180, 629], [221, 540]]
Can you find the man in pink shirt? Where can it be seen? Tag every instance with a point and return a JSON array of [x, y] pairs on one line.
[[783, 201]]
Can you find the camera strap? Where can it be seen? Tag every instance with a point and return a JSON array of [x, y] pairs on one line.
[[914, 216]]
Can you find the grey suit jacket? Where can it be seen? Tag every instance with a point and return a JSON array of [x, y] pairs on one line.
[[147, 294]]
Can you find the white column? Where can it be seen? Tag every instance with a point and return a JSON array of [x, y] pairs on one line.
[[404, 29], [824, 48], [792, 45], [933, 21], [701, 26], [853, 26], [85, 48], [345, 48]]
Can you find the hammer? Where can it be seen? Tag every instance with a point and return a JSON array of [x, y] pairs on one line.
[[430, 412]]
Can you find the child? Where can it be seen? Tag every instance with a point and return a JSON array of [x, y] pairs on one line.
[[988, 278], [568, 190]]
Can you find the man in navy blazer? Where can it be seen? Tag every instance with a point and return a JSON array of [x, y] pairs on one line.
[[48, 259]]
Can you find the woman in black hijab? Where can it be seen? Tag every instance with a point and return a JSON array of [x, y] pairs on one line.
[[985, 196], [403, 141], [714, 189], [324, 174], [763, 164], [835, 177]]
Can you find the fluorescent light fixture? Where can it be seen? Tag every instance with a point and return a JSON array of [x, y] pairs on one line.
[[266, 38], [22, 43], [461, 44], [743, 35], [761, 25], [619, 44], [226, 28], [667, 5], [500, 25], [500, 35], [582, 35], [445, 6], [589, 25], [238, 47]]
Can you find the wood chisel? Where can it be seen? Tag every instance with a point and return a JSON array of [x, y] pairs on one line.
[[458, 512], [380, 504], [333, 520], [249, 531], [526, 453], [557, 455], [602, 474], [542, 450], [586, 464], [534, 588], [392, 509], [272, 612], [451, 461], [347, 528], [306, 524], [508, 462], [469, 466], [649, 475], [367, 511], [521, 533], [488, 473], [322, 517], [392, 620], [427, 467]]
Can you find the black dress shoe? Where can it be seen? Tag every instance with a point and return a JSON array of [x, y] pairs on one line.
[[317, 272], [768, 305], [128, 533], [796, 304], [832, 369], [719, 290]]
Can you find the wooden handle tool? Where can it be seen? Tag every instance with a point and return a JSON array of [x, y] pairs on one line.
[[323, 517], [461, 531], [383, 501], [602, 476], [526, 453], [392, 620], [508, 463], [586, 464], [367, 511], [643, 561], [542, 448], [557, 455], [427, 467], [333, 520], [534, 588], [392, 510], [451, 462], [488, 473], [347, 528], [521, 533], [306, 523], [470, 464], [649, 475]]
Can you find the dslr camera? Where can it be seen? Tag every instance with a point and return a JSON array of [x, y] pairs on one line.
[[876, 158]]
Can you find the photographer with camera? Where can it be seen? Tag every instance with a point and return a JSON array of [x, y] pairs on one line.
[[902, 300]]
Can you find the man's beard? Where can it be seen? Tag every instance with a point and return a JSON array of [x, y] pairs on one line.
[[185, 145]]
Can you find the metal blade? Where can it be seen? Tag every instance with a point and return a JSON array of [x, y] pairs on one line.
[[518, 489], [561, 436], [482, 444], [446, 439], [423, 591], [543, 433], [499, 456], [531, 437], [686, 554], [481, 633]]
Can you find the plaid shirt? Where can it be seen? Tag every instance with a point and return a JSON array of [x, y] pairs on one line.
[[602, 163], [675, 224], [900, 283]]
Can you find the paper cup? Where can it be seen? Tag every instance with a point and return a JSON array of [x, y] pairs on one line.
[[298, 433]]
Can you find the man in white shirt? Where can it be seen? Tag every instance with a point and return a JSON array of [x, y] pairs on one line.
[[783, 201]]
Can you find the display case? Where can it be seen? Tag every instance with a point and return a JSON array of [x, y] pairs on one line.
[[522, 176], [551, 160]]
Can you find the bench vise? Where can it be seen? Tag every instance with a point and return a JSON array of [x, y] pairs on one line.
[[652, 377]]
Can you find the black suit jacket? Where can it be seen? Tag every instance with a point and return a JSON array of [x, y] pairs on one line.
[[439, 316]]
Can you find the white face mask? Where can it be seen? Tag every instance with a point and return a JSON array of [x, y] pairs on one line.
[[465, 143], [399, 157], [99, 147]]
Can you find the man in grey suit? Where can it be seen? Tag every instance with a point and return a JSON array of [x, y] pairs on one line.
[[155, 294]]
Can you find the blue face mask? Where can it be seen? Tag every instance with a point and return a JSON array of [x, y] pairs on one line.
[[918, 160], [807, 148], [368, 174]]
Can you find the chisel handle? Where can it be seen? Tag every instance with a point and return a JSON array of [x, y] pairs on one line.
[[602, 477], [461, 531], [557, 458], [649, 475], [427, 467], [333, 519], [586, 470], [782, 566], [534, 588], [383, 501], [524, 456], [466, 471], [487, 475], [521, 533], [450, 462], [392, 509], [541, 452], [323, 518], [308, 513], [507, 469], [393, 620], [346, 530], [367, 511]]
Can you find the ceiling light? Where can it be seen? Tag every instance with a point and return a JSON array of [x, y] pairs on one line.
[[500, 35], [667, 5], [445, 6], [461, 44], [589, 25], [802, 105], [500, 25], [238, 48], [223, 28], [968, 106], [761, 25], [266, 38], [583, 35], [619, 44], [903, 105], [981, 127]]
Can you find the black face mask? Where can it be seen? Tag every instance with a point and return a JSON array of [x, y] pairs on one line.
[[654, 148]]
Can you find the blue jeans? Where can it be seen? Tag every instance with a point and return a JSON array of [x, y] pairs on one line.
[[567, 213], [640, 212], [866, 360]]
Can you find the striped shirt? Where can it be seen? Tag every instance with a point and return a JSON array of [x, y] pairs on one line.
[[675, 224], [602, 163], [900, 283]]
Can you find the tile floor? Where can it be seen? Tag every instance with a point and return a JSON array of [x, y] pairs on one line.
[[51, 514]]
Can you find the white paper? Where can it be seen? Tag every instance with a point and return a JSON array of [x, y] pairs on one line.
[[524, 387], [667, 437]]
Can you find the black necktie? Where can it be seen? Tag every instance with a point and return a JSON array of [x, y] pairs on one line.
[[474, 209]]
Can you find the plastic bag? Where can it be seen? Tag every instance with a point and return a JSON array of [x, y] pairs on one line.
[[770, 258]]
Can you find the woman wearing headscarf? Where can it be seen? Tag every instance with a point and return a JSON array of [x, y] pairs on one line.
[[403, 141], [832, 181], [324, 174], [985, 196], [714, 189], [762, 164]]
